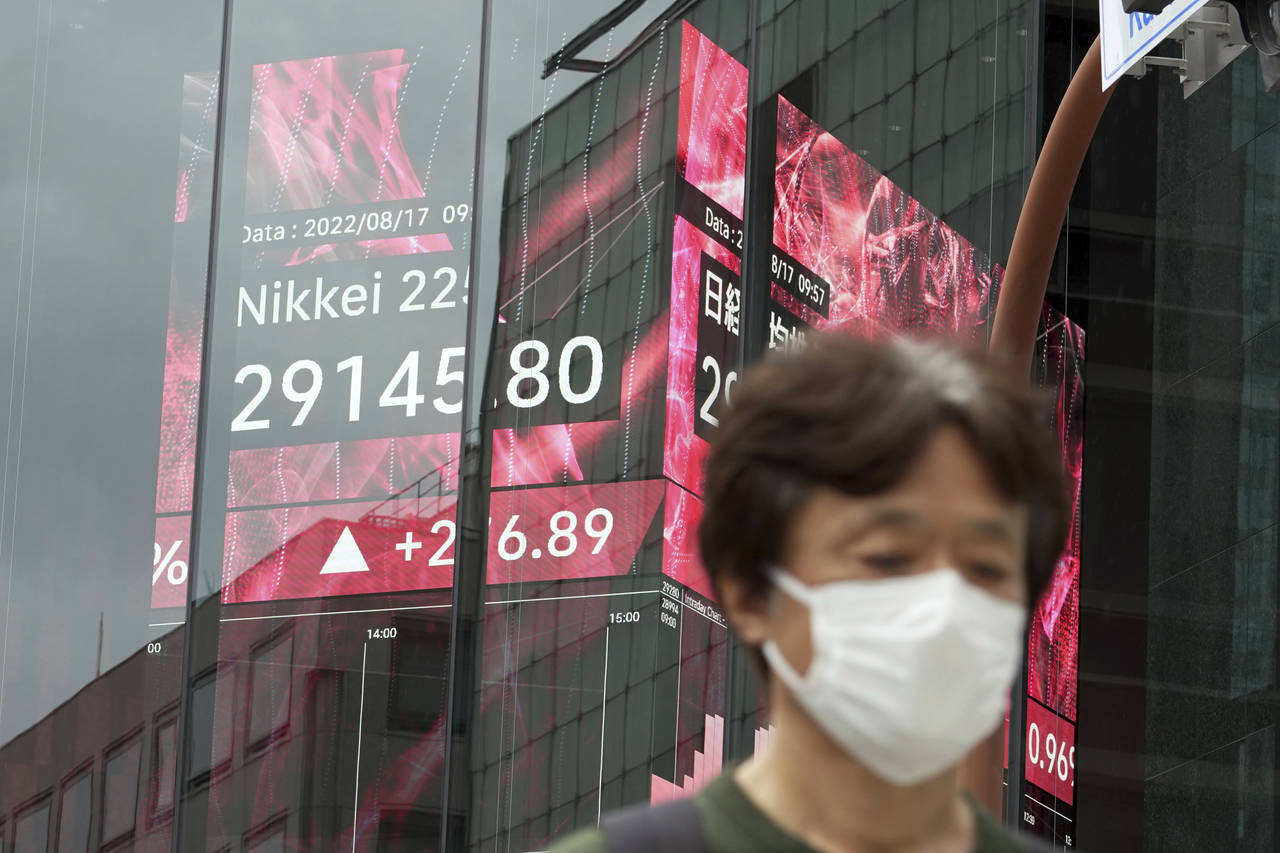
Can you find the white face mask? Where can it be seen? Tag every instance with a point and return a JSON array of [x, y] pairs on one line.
[[908, 673]]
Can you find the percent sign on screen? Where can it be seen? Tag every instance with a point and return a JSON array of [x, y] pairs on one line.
[[164, 564]]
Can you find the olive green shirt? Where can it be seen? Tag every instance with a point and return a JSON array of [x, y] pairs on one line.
[[733, 824]]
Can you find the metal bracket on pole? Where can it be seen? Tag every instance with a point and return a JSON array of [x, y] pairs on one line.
[[1210, 39]]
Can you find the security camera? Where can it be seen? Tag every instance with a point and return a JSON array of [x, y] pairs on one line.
[[1261, 22]]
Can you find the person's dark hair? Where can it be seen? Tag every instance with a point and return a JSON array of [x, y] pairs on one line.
[[854, 415]]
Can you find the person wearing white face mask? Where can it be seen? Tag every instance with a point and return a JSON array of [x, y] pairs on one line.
[[878, 517]]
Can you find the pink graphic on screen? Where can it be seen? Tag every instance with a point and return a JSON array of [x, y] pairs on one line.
[[569, 532], [1053, 644], [342, 470], [351, 548], [891, 263], [544, 454], [711, 143], [326, 131], [171, 560], [612, 187], [680, 560], [763, 737], [711, 157], [181, 394], [184, 336], [195, 161], [301, 107], [180, 398], [707, 764]]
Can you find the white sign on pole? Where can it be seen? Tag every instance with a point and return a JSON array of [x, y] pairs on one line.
[[1127, 37]]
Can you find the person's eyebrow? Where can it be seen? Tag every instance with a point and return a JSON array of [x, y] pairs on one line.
[[890, 517], [993, 530]]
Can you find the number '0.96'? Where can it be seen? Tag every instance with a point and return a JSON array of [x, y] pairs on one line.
[[1058, 760], [303, 381], [536, 372]]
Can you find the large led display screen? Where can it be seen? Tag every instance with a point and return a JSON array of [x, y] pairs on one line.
[[349, 332], [854, 251]]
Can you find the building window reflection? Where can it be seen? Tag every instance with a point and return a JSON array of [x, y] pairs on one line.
[[31, 829], [211, 731], [269, 840], [270, 691], [418, 686], [164, 755], [120, 791], [200, 732], [408, 831], [75, 814]]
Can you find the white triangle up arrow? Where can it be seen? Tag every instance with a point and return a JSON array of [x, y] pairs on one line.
[[345, 556]]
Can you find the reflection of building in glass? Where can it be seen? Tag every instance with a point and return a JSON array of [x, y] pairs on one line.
[[596, 659], [583, 255], [597, 699], [98, 770], [269, 756]]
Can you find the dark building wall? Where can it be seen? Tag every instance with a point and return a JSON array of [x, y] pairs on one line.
[[1171, 254], [1215, 457]]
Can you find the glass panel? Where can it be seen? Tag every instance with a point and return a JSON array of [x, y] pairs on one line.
[[336, 374], [75, 815], [105, 203], [120, 791], [31, 830], [597, 624]]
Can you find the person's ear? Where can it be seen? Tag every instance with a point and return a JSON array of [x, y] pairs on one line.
[[747, 609]]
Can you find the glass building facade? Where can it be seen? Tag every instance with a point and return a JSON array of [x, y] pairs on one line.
[[402, 328]]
